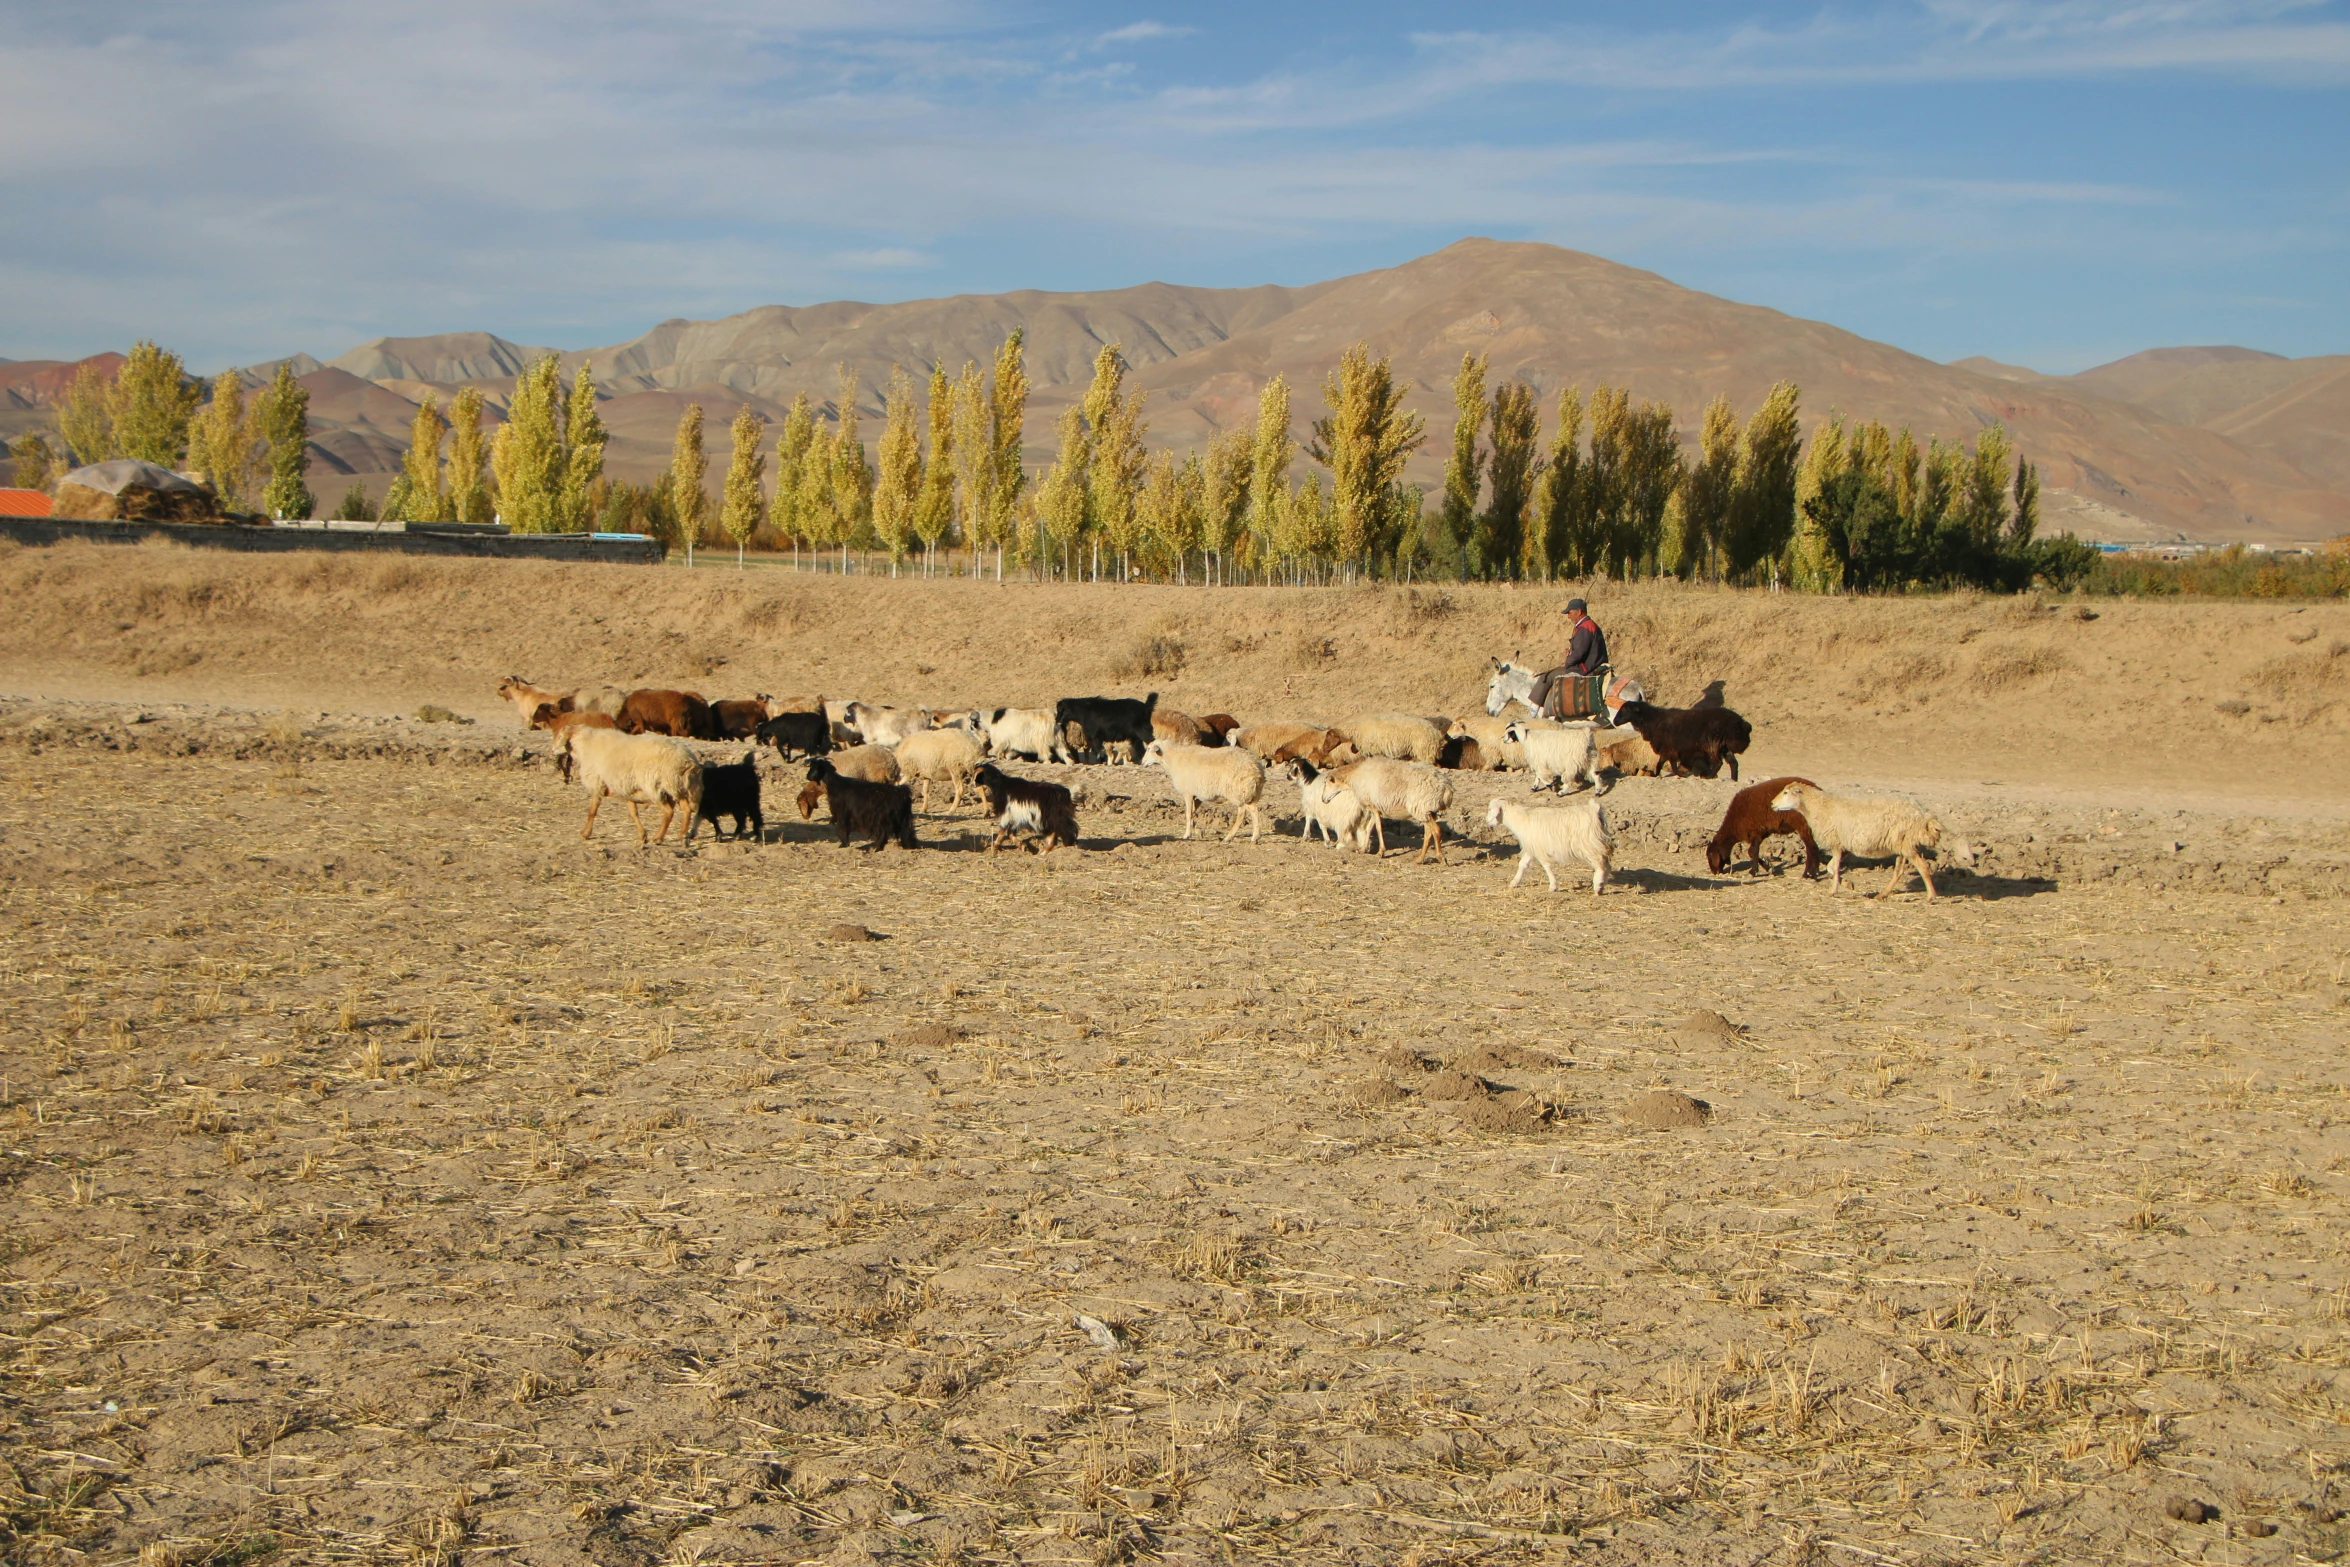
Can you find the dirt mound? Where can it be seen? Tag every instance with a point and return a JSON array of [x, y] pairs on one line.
[[1488, 1059], [1403, 1058], [1504, 1113], [1448, 1084], [1661, 1109], [930, 1036], [851, 933], [1372, 1092], [1707, 1027]]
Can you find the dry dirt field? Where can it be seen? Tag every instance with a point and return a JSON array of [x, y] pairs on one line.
[[393, 1177]]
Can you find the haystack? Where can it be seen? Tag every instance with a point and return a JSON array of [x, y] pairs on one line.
[[126, 490]]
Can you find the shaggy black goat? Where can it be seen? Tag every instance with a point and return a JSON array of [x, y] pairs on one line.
[[875, 812], [807, 733], [1108, 720], [1689, 739], [733, 790]]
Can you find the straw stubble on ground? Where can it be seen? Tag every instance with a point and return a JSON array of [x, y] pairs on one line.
[[394, 1177]]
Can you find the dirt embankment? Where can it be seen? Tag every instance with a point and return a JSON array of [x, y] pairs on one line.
[[2144, 706]]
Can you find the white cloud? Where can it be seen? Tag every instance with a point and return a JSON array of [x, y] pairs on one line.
[[1141, 32]]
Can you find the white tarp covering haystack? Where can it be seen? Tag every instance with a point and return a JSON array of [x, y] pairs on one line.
[[126, 489]]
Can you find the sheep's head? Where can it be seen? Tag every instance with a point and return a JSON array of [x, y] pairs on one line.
[[1493, 812], [1788, 799], [1154, 755]]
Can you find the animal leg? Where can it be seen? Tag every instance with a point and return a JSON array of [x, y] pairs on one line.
[[1435, 843], [1835, 873], [1550, 876], [1187, 805], [1598, 876], [1256, 824], [669, 814], [637, 816], [1525, 858], [594, 800], [1733, 761]]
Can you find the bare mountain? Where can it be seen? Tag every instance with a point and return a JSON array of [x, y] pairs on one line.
[[2213, 443]]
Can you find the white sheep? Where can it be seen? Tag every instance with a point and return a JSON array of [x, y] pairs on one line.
[[641, 769], [1870, 824], [1025, 731], [1405, 790], [1556, 835], [1201, 772], [948, 755], [1398, 735], [885, 725], [1331, 808], [1556, 755], [873, 763]]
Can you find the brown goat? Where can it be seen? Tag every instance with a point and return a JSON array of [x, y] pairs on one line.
[[656, 712], [1752, 818]]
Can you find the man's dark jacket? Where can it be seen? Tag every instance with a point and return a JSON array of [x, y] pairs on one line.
[[1587, 653]]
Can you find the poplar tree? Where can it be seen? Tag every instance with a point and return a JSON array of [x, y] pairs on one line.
[[1561, 497], [1462, 470], [1268, 480], [584, 439], [468, 482], [528, 454], [897, 491], [1713, 481], [852, 471], [415, 495], [1364, 441], [1114, 457], [787, 515], [1224, 497], [86, 418], [1061, 500], [934, 504], [283, 411], [35, 464], [223, 439], [1007, 415], [1814, 564], [1501, 530], [688, 463], [1762, 510], [1653, 471], [151, 401], [971, 457], [746, 475], [2024, 526], [1982, 505]]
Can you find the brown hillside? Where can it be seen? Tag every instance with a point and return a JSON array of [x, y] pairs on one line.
[[1954, 689], [2294, 409]]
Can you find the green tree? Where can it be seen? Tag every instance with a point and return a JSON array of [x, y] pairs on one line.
[[934, 503], [746, 476], [1762, 508], [2024, 525], [584, 439], [151, 401], [283, 410], [1814, 554], [528, 453], [1007, 415], [1713, 483], [1115, 458], [898, 487], [1268, 479], [36, 466], [1463, 468], [224, 441], [971, 457], [1561, 496], [1501, 529], [85, 419], [355, 506], [688, 464], [468, 480]]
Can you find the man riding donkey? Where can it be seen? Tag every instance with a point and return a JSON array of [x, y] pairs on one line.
[[1554, 695]]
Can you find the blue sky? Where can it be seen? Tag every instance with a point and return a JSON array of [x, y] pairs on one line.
[[2055, 185]]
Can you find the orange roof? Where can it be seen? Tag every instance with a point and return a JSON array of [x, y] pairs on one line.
[[24, 503]]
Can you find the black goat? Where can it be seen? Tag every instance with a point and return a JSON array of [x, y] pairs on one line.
[[876, 812], [1108, 720], [807, 733], [733, 790], [1689, 739], [1044, 811]]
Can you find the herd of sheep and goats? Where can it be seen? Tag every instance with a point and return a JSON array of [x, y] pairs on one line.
[[862, 761]]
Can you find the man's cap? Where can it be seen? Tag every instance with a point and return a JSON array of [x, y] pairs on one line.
[[1574, 605]]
